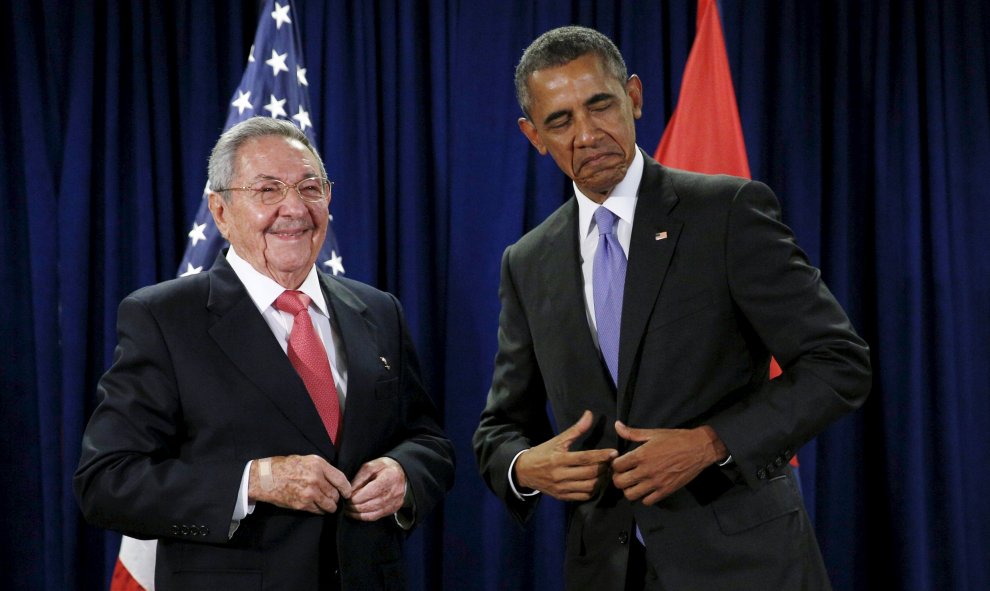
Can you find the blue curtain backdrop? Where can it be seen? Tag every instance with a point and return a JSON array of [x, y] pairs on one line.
[[871, 119]]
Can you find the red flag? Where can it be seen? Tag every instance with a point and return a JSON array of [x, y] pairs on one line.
[[705, 134]]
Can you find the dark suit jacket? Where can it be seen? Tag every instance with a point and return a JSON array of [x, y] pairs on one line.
[[199, 386], [705, 306]]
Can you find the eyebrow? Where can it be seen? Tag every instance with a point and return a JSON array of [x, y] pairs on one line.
[[597, 98]]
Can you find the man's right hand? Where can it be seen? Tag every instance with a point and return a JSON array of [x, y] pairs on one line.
[[553, 469], [304, 483]]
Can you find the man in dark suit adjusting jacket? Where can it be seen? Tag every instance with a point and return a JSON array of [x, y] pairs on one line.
[[674, 461], [206, 436]]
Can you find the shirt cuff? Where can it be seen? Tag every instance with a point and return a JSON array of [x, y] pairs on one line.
[[522, 496], [405, 517], [242, 508]]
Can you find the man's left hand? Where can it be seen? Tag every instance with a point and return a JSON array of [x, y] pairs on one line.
[[666, 461], [377, 490]]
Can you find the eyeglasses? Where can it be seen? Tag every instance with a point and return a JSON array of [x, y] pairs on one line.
[[272, 191]]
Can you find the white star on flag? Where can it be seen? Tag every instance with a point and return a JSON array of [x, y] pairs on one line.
[[301, 75], [303, 118], [197, 233], [190, 270], [278, 63], [275, 107], [243, 102], [336, 263], [281, 15]]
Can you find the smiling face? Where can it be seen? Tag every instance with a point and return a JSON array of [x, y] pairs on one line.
[[281, 240], [585, 119]]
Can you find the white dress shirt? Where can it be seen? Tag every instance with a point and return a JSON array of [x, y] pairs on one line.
[[264, 291], [622, 202]]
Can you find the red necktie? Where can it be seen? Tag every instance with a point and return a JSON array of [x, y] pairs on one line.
[[308, 356]]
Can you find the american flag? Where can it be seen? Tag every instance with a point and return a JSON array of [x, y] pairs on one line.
[[274, 85]]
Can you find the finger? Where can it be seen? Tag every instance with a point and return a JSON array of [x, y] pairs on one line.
[[626, 462], [590, 457], [327, 504], [372, 489], [569, 435], [578, 491], [363, 477], [338, 480], [580, 473], [367, 516], [631, 434], [637, 491], [654, 497]]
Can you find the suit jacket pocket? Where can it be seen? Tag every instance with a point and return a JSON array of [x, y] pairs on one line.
[[195, 567], [743, 508], [387, 389]]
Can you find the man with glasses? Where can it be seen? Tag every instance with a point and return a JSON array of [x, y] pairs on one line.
[[266, 421]]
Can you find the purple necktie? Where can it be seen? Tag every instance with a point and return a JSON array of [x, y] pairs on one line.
[[609, 273]]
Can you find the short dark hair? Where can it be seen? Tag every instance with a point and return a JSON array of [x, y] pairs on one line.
[[563, 45], [220, 171]]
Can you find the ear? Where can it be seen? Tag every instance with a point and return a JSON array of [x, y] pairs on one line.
[[218, 207], [529, 130], [634, 88]]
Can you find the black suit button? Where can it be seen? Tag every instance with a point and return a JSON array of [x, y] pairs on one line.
[[779, 461], [771, 468], [761, 474], [623, 537], [204, 531]]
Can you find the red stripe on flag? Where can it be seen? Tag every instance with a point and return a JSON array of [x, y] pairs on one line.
[[122, 579]]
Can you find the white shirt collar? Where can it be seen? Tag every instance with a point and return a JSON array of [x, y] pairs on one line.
[[621, 201], [264, 290]]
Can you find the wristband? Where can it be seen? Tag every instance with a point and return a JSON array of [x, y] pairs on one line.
[[265, 474]]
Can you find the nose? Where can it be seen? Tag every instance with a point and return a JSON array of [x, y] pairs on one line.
[[586, 132], [293, 203]]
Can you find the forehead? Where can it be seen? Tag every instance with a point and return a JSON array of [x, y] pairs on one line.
[[578, 79], [274, 155]]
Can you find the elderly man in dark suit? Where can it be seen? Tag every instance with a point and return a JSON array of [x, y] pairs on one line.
[[265, 421], [646, 310]]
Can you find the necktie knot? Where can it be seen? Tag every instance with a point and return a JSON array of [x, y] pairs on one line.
[[604, 219], [292, 301]]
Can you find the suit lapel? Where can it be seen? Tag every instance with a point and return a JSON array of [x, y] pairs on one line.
[[356, 331], [654, 237], [565, 303], [242, 334]]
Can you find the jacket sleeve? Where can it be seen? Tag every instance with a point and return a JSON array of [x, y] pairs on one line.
[[132, 476], [826, 365]]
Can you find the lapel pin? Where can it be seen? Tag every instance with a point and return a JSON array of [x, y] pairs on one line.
[[385, 363], [660, 236]]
